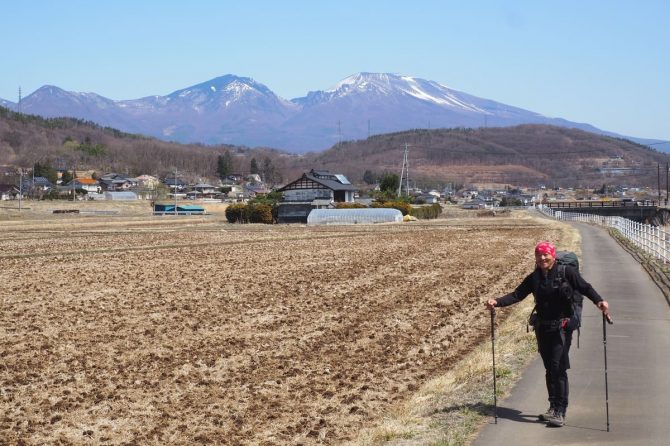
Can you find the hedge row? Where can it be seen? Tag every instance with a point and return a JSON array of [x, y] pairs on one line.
[[427, 212], [404, 208], [350, 206], [249, 213]]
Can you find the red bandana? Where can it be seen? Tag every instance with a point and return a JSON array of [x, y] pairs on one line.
[[545, 248]]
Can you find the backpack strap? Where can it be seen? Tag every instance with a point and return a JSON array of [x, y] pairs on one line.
[[532, 317], [575, 313]]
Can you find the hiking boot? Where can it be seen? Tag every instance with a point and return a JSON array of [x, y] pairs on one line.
[[556, 420], [548, 414]]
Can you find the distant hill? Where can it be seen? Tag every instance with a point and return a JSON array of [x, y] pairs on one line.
[[241, 111], [525, 155], [69, 143]]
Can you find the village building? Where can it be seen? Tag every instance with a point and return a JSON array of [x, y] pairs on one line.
[[313, 190], [202, 190], [147, 181], [115, 182], [88, 184], [476, 203]]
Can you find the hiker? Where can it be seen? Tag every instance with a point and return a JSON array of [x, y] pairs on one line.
[[554, 322]]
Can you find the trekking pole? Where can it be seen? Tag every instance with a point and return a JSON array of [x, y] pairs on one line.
[[606, 318], [493, 349]]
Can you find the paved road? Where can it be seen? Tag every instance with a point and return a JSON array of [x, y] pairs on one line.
[[638, 357]]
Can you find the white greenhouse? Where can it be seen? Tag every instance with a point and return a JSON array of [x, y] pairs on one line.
[[353, 216]]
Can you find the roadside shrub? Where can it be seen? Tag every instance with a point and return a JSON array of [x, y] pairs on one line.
[[260, 213], [235, 213], [427, 212], [250, 213]]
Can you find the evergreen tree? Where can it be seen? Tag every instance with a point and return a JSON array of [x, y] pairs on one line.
[[224, 165], [268, 170], [253, 166], [389, 183], [369, 177], [66, 177], [47, 171]]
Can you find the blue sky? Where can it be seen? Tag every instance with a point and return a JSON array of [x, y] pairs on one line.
[[606, 63]]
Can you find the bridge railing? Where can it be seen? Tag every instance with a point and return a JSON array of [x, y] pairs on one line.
[[600, 204], [651, 239]]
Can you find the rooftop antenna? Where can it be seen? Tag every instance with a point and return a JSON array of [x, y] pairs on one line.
[[404, 171]]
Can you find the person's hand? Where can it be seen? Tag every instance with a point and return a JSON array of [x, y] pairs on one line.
[[603, 306], [491, 304]]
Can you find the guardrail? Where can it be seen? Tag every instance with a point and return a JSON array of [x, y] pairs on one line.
[[651, 239]]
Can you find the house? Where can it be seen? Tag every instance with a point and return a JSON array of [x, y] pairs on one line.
[[36, 184], [88, 184], [254, 178], [202, 190], [175, 184], [476, 203], [309, 191], [236, 192], [115, 182], [147, 181], [253, 190]]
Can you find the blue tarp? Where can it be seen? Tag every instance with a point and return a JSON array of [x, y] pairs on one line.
[[183, 209]]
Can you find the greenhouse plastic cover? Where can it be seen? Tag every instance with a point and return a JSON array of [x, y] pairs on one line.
[[353, 216]]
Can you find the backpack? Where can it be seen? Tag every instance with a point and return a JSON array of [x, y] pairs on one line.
[[569, 258], [563, 259]]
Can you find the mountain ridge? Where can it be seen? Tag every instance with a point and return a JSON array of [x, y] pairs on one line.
[[238, 110]]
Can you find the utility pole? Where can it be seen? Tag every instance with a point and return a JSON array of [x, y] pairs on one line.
[[175, 191], [339, 131], [658, 165], [20, 187], [667, 180]]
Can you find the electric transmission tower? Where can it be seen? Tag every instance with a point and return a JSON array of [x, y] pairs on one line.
[[404, 171]]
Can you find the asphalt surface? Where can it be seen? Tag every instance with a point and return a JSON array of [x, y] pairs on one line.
[[638, 364]]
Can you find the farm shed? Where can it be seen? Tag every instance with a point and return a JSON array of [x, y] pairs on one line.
[[353, 216], [182, 209]]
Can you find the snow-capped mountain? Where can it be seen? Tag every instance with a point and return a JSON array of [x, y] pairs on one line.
[[381, 103], [238, 110]]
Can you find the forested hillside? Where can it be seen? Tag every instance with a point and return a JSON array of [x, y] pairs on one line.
[[525, 155], [75, 144]]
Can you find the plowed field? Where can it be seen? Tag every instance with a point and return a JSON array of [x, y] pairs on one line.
[[244, 335]]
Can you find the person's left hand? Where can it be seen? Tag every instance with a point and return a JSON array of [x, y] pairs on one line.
[[604, 306]]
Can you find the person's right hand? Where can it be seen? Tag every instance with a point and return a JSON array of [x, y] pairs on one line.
[[491, 304]]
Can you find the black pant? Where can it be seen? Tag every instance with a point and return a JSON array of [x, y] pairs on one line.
[[554, 347]]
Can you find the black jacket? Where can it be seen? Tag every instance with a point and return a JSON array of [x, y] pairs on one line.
[[550, 302]]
